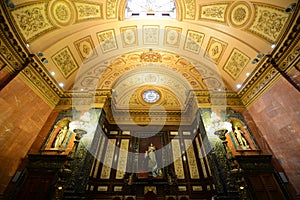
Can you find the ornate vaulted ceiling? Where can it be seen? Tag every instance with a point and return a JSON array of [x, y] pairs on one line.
[[91, 45]]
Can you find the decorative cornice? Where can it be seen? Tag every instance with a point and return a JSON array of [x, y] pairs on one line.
[[285, 55], [41, 85], [19, 59]]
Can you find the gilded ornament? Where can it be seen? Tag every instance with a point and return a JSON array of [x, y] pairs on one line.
[[151, 34], [193, 41], [107, 40], [111, 6], [89, 11], [190, 9], [269, 22], [214, 12], [65, 62], [240, 14], [236, 63], [32, 20]]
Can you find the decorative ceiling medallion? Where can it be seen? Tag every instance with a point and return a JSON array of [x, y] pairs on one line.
[[151, 96], [62, 13], [129, 36], [239, 14], [172, 36]]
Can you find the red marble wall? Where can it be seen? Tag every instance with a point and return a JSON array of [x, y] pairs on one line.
[[23, 114], [277, 115]]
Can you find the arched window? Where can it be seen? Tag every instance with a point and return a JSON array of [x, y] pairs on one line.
[[149, 8]]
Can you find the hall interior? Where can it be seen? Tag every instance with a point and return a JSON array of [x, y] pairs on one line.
[[87, 86]]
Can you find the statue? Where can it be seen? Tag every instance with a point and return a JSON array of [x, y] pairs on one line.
[[151, 160], [60, 138], [241, 140]]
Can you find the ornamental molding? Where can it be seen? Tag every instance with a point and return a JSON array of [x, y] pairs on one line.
[[39, 82], [285, 55]]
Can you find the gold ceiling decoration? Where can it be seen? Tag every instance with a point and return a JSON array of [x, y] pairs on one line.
[[206, 38], [150, 56]]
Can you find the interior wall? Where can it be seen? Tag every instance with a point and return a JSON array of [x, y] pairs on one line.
[[276, 114], [23, 114]]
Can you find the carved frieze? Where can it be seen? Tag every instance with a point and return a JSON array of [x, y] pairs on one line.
[[258, 85], [193, 41], [269, 22], [38, 84], [32, 20], [107, 40], [65, 62], [9, 57], [215, 49], [236, 63], [214, 12]]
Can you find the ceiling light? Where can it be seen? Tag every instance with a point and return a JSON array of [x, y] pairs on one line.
[[260, 55], [52, 73], [255, 61], [290, 8], [61, 84], [44, 60], [27, 45], [39, 54], [238, 86], [273, 46], [248, 74], [10, 4]]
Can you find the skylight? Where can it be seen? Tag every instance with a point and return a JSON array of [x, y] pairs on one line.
[[148, 8]]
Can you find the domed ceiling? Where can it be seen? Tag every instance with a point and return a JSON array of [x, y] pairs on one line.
[[109, 44]]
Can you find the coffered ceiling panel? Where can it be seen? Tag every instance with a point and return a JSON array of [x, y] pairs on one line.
[[91, 44]]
